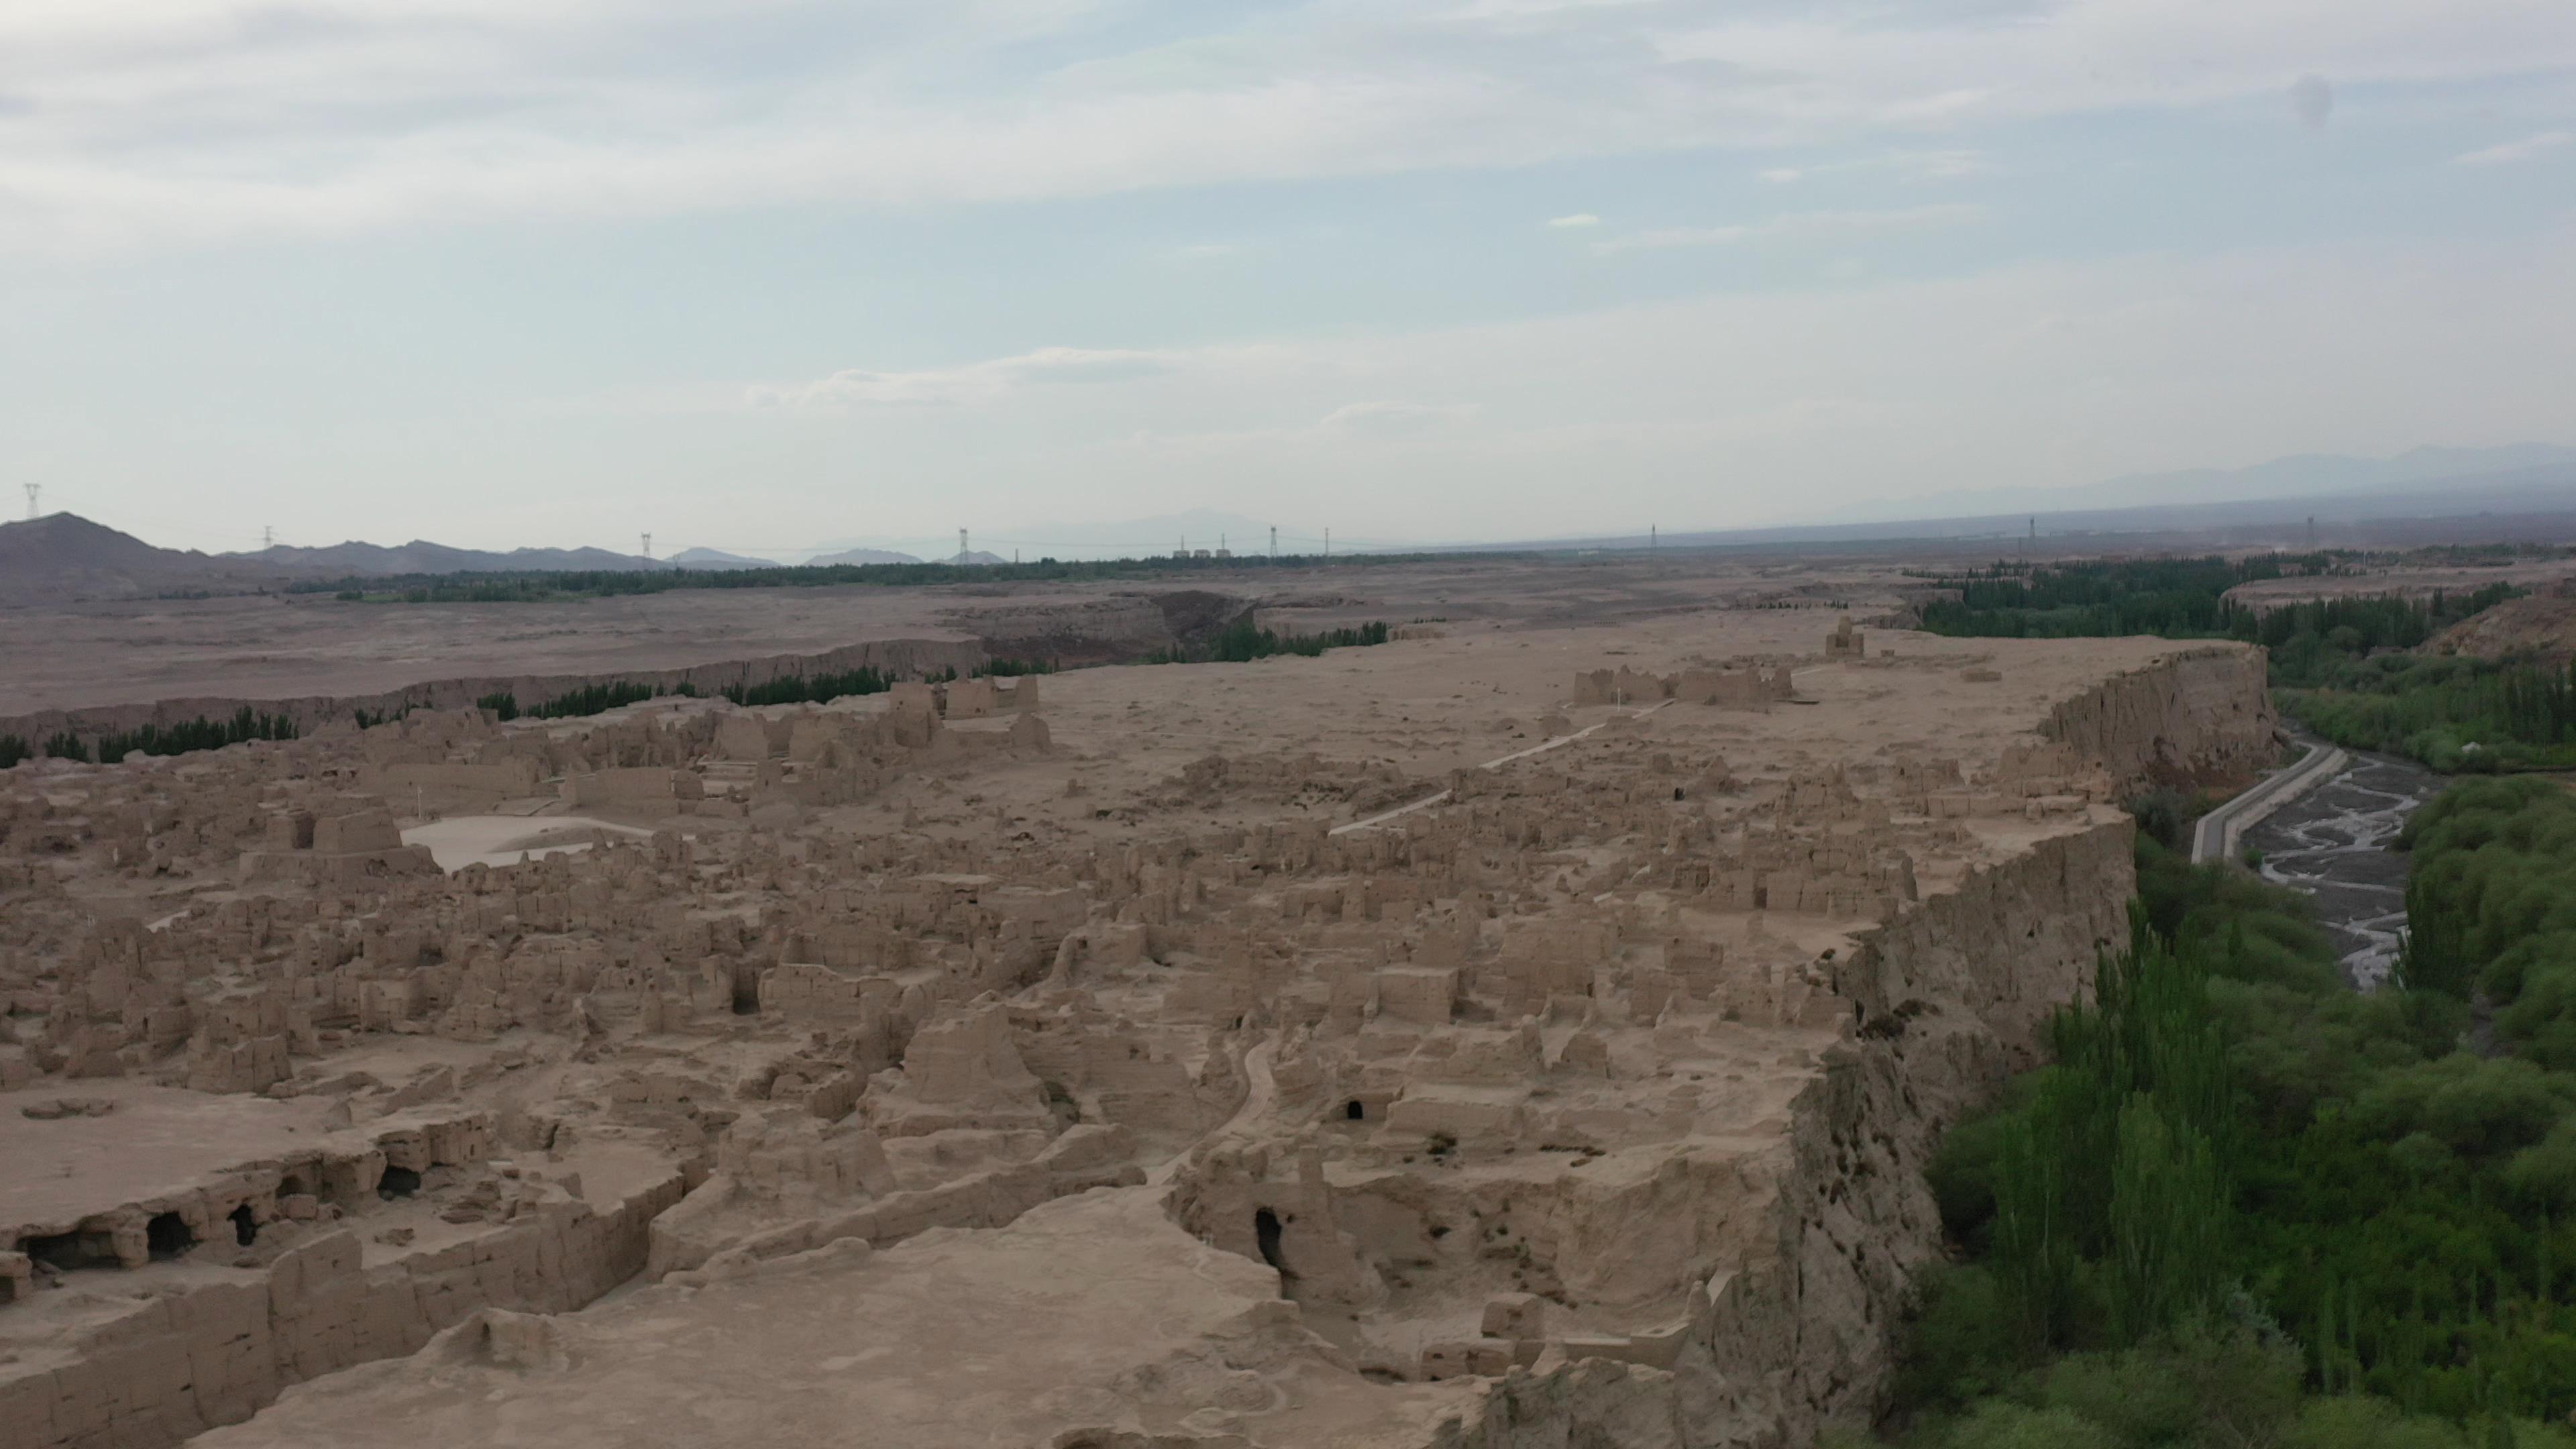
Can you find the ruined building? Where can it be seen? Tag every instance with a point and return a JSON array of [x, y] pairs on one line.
[[1396, 1047]]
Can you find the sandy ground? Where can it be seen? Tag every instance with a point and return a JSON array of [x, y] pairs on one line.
[[502, 839], [1484, 693], [1084, 1310], [2534, 574], [1426, 708], [278, 647], [1091, 1309], [156, 1140]]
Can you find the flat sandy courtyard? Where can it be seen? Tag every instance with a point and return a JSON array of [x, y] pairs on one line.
[[503, 839]]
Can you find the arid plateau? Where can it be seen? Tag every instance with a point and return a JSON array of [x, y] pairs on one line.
[[1527, 1032]]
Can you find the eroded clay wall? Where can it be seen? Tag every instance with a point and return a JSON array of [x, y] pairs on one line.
[[2203, 714], [1950, 999], [218, 1354], [889, 656]]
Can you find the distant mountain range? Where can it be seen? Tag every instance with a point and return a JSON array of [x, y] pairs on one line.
[[1128, 538], [368, 560], [64, 556], [716, 558], [2306, 475], [2525, 490], [863, 556], [2535, 504]]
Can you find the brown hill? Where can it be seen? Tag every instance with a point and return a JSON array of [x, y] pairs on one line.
[[2539, 626], [64, 557]]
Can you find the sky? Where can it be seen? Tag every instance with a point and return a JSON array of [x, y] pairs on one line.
[[762, 274]]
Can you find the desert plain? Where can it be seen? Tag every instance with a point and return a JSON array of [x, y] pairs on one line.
[[1526, 1031]]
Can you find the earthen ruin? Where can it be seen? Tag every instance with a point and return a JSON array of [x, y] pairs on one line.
[[1475, 1040]]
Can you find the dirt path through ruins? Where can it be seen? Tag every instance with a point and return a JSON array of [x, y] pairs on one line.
[[1428, 801]]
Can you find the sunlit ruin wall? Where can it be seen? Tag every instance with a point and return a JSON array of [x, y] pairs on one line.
[[1759, 1268], [897, 658], [1952, 998]]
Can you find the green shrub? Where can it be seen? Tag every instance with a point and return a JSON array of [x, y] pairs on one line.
[[593, 699], [2002, 1424], [2355, 1165], [819, 689]]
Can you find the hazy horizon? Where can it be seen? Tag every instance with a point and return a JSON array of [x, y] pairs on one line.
[[760, 277]]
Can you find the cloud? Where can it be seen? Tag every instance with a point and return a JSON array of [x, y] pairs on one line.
[[1732, 408], [2512, 151], [2312, 100], [1940, 165], [1580, 218], [1204, 251], [1799, 225], [1744, 408], [1673, 236], [151, 123], [1912, 165], [1394, 419], [976, 382], [1940, 64]]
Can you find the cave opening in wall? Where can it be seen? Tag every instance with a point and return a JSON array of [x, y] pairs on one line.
[[746, 994], [245, 1226], [62, 1251], [397, 1182], [167, 1236], [1265, 1235], [1354, 1111]]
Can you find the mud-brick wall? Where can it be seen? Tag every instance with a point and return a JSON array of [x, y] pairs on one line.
[[187, 1362], [901, 658], [1951, 997], [1805, 1331], [2198, 715]]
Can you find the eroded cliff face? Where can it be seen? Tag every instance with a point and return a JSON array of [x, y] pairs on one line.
[[894, 657], [1949, 999], [163, 1368], [2202, 715]]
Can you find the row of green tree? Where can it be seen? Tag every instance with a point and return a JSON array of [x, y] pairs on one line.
[[2340, 664], [811, 689], [589, 699], [1242, 642], [2246, 1204], [784, 689], [586, 700], [2311, 643], [2456, 714], [1239, 643], [2172, 597], [543, 586], [110, 746]]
